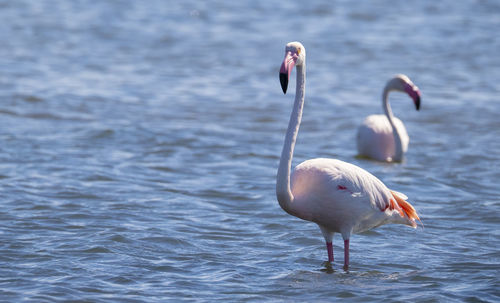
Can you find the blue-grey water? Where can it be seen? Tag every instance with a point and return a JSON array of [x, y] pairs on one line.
[[139, 143]]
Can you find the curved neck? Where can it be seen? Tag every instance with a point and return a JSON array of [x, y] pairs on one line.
[[283, 191], [398, 145]]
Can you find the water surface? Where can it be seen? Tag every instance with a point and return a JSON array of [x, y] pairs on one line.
[[140, 142]]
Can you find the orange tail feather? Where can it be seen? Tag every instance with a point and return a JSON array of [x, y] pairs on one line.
[[407, 208]]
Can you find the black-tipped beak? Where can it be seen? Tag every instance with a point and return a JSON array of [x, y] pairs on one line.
[[284, 82], [286, 69], [414, 93], [417, 102]]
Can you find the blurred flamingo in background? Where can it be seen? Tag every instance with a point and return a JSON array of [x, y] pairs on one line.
[[338, 196], [384, 137]]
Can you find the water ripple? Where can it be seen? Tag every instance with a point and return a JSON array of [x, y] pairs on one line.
[[140, 147]]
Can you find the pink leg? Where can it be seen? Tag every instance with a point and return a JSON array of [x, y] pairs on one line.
[[329, 248], [346, 254]]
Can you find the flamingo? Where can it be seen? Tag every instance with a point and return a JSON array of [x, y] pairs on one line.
[[339, 197], [385, 139]]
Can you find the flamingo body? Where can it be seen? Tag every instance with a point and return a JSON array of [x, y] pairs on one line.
[[375, 138], [344, 198]]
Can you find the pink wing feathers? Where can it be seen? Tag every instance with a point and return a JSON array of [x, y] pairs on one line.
[[404, 208]]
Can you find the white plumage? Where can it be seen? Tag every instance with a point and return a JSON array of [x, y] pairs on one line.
[[342, 197], [376, 140]]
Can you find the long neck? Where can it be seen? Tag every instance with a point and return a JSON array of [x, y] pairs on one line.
[[283, 191], [398, 145]]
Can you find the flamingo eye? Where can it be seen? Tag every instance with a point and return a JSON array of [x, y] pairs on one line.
[[298, 51]]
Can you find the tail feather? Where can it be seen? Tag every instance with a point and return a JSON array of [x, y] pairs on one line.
[[401, 195], [406, 207]]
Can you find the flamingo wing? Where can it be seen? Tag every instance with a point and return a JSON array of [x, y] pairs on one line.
[[337, 184], [348, 191]]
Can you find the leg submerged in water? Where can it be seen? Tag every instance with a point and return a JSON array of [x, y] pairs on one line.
[[346, 255]]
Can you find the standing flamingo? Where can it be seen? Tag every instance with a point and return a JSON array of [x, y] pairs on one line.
[[338, 196], [386, 139]]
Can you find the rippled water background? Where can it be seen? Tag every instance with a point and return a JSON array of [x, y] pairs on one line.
[[140, 142]]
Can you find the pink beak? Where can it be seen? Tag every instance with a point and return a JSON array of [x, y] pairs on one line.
[[286, 69], [414, 93]]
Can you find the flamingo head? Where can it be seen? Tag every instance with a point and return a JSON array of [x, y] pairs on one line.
[[295, 54], [411, 89]]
